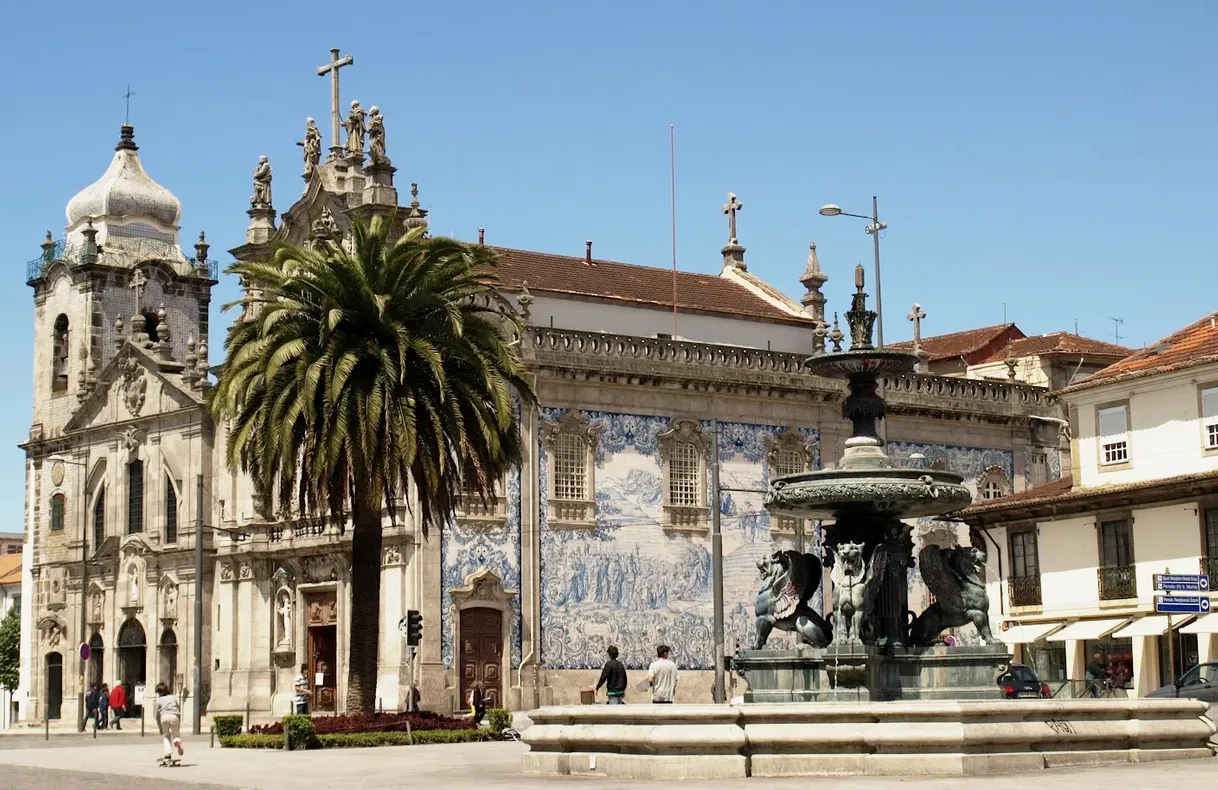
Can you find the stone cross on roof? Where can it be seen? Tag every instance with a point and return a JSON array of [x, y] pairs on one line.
[[332, 68], [730, 208], [916, 316], [138, 283]]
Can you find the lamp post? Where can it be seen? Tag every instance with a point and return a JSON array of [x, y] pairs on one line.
[[830, 210], [84, 578]]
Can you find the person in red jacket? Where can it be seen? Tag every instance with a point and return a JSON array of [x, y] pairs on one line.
[[118, 703]]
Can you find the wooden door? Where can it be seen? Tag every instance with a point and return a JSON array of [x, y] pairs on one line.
[[322, 610], [482, 655], [54, 679]]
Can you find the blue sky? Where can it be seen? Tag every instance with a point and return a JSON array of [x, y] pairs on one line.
[[1055, 157]]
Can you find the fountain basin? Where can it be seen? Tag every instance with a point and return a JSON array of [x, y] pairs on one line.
[[855, 739], [896, 492]]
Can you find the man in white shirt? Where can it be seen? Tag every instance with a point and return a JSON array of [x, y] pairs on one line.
[[662, 675], [301, 689]]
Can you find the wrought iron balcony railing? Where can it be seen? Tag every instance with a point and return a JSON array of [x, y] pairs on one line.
[[1117, 583], [1024, 590]]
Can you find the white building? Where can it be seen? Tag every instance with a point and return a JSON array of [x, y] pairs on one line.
[[1141, 498]]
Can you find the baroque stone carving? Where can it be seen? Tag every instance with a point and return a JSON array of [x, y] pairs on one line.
[[246, 571], [324, 229], [318, 568], [133, 384], [226, 571], [393, 556], [792, 441], [376, 138], [262, 184], [283, 617], [52, 632], [851, 579], [356, 128], [169, 599], [790, 579], [131, 437], [684, 432], [886, 496], [960, 597], [312, 147]]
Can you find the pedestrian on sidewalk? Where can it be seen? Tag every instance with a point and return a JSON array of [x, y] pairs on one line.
[[477, 702], [169, 721], [103, 706], [662, 675], [613, 678], [118, 703], [91, 705], [301, 685]]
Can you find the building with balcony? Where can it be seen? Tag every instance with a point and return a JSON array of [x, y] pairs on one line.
[[1140, 498]]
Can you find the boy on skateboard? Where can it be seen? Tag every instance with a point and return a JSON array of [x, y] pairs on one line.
[[168, 721]]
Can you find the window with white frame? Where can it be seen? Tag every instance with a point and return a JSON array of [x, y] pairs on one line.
[[992, 489], [1114, 434], [570, 471], [1209, 418], [993, 483], [684, 487]]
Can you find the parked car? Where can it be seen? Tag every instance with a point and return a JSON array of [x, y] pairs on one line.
[[1021, 682], [1200, 682]]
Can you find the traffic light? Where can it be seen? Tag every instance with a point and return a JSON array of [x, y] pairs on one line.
[[414, 628]]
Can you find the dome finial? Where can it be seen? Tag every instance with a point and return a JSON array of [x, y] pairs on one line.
[[126, 140]]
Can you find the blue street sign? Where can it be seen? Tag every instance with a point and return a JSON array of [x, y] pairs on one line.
[[1182, 582], [1182, 604]]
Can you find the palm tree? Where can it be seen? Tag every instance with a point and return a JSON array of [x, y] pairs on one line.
[[359, 372]]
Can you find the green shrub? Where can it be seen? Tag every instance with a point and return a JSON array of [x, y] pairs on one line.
[[499, 720], [301, 734], [251, 741], [359, 740], [451, 736], [227, 725]]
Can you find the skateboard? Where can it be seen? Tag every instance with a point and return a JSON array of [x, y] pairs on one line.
[[169, 762]]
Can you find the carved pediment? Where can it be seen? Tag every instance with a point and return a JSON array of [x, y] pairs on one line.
[[134, 546], [132, 385], [571, 422], [483, 586], [52, 632], [684, 432], [780, 448]]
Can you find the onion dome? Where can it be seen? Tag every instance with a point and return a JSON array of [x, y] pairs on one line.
[[125, 190]]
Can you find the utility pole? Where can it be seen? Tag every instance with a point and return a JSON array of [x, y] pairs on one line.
[[717, 566], [197, 718], [84, 584]]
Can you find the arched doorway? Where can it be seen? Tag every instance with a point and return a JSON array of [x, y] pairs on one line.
[[167, 659], [97, 660], [54, 685], [132, 659], [482, 654]]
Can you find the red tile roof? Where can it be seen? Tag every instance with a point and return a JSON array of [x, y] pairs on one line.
[[968, 344], [1196, 344], [1059, 343], [627, 282], [10, 569]]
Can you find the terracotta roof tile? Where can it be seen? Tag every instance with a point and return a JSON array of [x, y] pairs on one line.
[[1059, 343], [633, 283], [963, 344], [1063, 490], [1046, 492], [1196, 344], [10, 569]]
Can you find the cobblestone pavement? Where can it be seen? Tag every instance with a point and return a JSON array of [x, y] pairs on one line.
[[489, 765]]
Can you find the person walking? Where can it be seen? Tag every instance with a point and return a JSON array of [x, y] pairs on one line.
[[613, 678], [302, 691], [103, 706], [168, 720], [91, 705], [1096, 675], [118, 703], [662, 675], [477, 702]]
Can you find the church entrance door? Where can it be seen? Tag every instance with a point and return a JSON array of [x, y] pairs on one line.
[[482, 654], [97, 660], [54, 703], [322, 610], [132, 662]]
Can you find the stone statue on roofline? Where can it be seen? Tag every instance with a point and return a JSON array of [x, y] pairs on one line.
[[311, 146], [376, 138], [356, 128], [262, 184]]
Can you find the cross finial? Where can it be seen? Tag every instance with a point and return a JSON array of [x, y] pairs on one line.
[[332, 68], [127, 96], [730, 208], [138, 283], [916, 316]]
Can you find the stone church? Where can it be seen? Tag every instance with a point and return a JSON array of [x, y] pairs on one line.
[[600, 537]]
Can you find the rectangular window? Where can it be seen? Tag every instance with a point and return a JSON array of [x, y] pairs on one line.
[[14, 549], [1211, 533], [57, 503], [683, 468], [788, 462], [1040, 469], [99, 519], [1114, 434], [1116, 544], [1209, 418], [171, 512], [1024, 560], [570, 468], [135, 497]]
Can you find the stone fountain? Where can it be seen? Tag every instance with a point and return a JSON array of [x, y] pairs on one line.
[[872, 648], [869, 693]]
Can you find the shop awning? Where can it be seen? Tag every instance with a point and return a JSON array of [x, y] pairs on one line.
[[1148, 626], [1088, 629], [1027, 634], [1205, 624]]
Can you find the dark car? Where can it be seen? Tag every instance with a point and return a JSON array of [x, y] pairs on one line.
[[1020, 682], [1200, 682]]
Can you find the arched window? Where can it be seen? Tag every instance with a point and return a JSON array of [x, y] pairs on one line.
[[135, 497], [57, 506], [59, 359], [167, 655], [99, 518], [171, 511], [992, 489], [993, 483]]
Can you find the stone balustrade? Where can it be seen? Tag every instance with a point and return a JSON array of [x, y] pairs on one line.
[[882, 738]]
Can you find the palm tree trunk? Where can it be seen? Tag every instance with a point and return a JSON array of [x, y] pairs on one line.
[[365, 632]]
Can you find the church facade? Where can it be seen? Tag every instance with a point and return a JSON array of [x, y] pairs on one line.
[[601, 536]]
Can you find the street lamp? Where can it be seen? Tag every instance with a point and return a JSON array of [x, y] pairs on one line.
[[84, 578], [832, 210]]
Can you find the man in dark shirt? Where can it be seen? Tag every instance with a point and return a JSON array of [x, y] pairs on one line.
[[613, 678], [1096, 674]]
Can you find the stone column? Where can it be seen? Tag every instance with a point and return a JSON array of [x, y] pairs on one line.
[[1076, 664], [1207, 648], [1145, 664]]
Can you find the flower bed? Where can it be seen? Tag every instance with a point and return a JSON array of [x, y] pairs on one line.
[[355, 740], [374, 723]]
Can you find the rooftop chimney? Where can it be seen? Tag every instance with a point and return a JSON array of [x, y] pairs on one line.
[[588, 252], [481, 236]]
